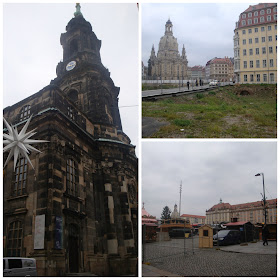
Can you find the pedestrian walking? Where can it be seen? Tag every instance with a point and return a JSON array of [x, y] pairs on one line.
[[196, 83], [265, 234], [188, 85]]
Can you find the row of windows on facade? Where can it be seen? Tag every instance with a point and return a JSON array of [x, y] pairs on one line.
[[257, 51], [20, 177], [256, 29], [264, 63], [257, 40], [25, 113], [257, 78], [262, 12], [256, 20]]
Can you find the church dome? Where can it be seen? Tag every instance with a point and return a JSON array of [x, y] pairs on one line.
[[78, 22], [168, 45]]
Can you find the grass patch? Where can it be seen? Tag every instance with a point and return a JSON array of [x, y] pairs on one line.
[[182, 123], [218, 114]]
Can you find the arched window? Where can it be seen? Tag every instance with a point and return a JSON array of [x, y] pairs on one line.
[[72, 177], [73, 46], [25, 112], [14, 240], [19, 185]]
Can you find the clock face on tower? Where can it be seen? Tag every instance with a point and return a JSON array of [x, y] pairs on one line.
[[70, 65]]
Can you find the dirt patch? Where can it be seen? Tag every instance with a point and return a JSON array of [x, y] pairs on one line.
[[151, 125]]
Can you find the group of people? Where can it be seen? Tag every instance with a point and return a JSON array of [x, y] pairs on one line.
[[196, 83]]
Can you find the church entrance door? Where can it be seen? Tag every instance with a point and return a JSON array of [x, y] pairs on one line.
[[73, 246]]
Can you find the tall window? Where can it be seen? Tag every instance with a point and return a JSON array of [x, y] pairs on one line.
[[245, 64], [245, 78], [264, 63], [25, 113], [70, 113], [264, 77], [14, 242], [271, 63], [19, 185], [271, 77], [269, 28], [251, 64], [256, 40], [72, 177], [257, 63], [258, 77]]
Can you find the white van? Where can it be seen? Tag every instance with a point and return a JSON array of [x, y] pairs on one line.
[[16, 266]]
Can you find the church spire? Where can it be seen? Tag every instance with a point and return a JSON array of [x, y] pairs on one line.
[[78, 10], [183, 52]]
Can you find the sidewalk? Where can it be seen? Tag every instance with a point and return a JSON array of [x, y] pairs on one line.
[[253, 248], [151, 271]]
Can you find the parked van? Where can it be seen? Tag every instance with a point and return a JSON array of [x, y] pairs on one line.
[[16, 266], [227, 237]]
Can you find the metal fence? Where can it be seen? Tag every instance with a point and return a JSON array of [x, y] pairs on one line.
[[156, 250]]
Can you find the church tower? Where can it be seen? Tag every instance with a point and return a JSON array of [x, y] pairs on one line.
[[82, 76]]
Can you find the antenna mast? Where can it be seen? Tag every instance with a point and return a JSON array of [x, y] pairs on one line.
[[180, 199]]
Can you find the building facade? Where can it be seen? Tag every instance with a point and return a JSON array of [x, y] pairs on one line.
[[255, 45], [246, 212], [220, 69], [197, 72], [194, 219], [76, 211], [168, 64]]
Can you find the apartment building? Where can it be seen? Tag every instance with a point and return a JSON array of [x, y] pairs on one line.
[[251, 211], [220, 69], [194, 219], [255, 45]]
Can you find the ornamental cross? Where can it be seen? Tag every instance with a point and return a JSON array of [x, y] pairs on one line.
[[19, 143]]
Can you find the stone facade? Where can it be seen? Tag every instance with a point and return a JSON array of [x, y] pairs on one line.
[[84, 184], [168, 64]]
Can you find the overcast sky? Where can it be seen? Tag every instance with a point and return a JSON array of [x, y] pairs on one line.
[[32, 50], [205, 29], [209, 171]]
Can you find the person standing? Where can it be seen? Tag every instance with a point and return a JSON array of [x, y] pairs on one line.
[[265, 234], [188, 85]]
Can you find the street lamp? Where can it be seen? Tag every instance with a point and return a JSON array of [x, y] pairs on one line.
[[264, 200]]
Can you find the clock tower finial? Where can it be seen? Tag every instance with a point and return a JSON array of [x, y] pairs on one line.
[[78, 10]]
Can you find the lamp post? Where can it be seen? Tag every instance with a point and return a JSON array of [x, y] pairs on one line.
[[264, 199]]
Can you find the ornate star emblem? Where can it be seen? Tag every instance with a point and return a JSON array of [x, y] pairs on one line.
[[19, 143]]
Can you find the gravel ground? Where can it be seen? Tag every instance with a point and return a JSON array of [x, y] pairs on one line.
[[169, 256]]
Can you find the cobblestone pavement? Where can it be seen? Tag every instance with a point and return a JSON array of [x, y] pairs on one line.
[[169, 256]]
